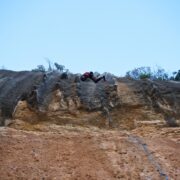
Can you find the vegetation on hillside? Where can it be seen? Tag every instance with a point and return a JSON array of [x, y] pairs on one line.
[[148, 73], [139, 73]]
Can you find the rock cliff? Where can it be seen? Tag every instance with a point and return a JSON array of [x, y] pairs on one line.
[[35, 97], [54, 126]]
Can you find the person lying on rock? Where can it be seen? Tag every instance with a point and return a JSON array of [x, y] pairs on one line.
[[90, 75]]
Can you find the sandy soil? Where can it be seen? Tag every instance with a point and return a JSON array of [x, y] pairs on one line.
[[76, 153]]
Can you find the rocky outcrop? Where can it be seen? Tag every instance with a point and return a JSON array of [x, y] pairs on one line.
[[53, 132], [35, 97]]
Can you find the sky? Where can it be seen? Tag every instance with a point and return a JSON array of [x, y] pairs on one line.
[[90, 35]]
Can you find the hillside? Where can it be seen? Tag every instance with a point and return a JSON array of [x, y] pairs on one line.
[[64, 128]]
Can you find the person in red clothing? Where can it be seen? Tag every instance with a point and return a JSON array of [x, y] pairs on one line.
[[90, 75]]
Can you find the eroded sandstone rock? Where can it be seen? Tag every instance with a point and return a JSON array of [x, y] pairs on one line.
[[28, 96]]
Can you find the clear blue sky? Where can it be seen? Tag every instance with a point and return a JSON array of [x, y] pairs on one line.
[[98, 35]]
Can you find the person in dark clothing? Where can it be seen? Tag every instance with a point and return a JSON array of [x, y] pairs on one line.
[[90, 75]]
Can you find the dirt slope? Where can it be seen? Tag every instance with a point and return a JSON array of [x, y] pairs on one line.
[[58, 127], [76, 153]]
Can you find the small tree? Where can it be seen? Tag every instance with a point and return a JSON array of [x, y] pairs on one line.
[[59, 67], [40, 68], [160, 74], [177, 77], [145, 76], [147, 73], [173, 76], [50, 65], [139, 73]]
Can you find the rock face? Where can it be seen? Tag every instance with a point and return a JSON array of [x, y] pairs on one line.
[[58, 127], [35, 97]]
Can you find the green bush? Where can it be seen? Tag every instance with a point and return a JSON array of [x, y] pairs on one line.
[[40, 68], [145, 76], [140, 73], [147, 73], [51, 67]]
